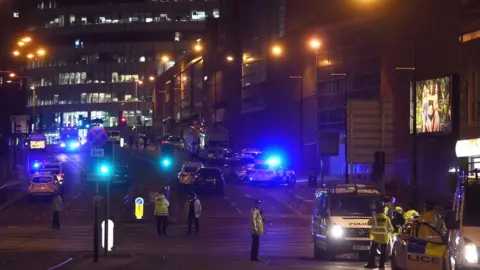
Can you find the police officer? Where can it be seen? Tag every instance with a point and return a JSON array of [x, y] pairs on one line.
[[161, 213], [381, 228], [256, 226], [398, 220], [411, 214], [432, 215]]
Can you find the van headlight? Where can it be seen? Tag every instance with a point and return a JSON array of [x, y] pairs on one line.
[[336, 231], [470, 253]]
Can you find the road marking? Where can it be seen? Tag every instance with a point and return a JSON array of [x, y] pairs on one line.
[[282, 202], [234, 205], [61, 264]]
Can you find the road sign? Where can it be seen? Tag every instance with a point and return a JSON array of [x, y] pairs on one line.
[[97, 136], [139, 207], [96, 152], [369, 129]]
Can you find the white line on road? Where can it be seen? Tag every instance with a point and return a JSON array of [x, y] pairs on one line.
[[287, 205], [234, 205], [61, 264]]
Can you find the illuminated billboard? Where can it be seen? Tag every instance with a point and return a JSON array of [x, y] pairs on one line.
[[434, 106]]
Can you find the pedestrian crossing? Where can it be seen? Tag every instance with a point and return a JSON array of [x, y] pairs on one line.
[[219, 239], [41, 238]]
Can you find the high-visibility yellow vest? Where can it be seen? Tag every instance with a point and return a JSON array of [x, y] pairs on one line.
[[256, 222], [381, 228], [161, 206]]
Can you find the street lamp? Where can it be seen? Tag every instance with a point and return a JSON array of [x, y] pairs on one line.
[[300, 114], [41, 52], [230, 58], [16, 53], [30, 56], [151, 78], [315, 44], [26, 39], [12, 75], [21, 43], [276, 50], [198, 47]]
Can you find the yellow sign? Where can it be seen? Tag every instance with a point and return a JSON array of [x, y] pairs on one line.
[[139, 208], [37, 145]]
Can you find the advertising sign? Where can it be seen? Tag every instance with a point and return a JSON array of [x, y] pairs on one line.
[[433, 106]]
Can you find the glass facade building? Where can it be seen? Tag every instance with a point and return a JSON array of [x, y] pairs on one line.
[[100, 58]]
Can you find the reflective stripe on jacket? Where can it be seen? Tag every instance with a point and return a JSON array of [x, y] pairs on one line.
[[161, 206], [381, 228], [256, 222]]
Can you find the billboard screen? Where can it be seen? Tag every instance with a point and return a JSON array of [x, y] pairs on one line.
[[434, 105]]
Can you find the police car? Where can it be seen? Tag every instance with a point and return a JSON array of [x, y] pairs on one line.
[[340, 217], [412, 252], [42, 184], [186, 176], [55, 168], [271, 171]]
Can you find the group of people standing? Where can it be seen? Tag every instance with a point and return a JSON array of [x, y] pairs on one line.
[[388, 218], [193, 211]]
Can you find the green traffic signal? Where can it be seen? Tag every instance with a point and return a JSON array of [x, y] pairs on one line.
[[166, 162], [104, 169]]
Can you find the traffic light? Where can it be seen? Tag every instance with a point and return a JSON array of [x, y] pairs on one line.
[[166, 162], [104, 169], [122, 120]]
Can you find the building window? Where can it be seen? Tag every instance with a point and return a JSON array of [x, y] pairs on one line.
[[216, 13], [16, 14], [84, 20], [115, 77], [72, 19], [83, 98], [142, 59], [198, 15], [178, 36]]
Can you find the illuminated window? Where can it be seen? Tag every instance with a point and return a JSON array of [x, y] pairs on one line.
[[16, 14], [216, 13], [142, 59], [470, 36], [178, 36], [115, 77], [128, 97], [198, 15], [72, 19]]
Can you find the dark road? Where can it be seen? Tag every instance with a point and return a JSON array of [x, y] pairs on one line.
[[28, 242]]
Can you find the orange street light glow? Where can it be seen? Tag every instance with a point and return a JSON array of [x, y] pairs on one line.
[[30, 56], [151, 78], [140, 82], [12, 75], [20, 43], [276, 50], [315, 44], [229, 58], [197, 47], [26, 39], [16, 53], [41, 52], [165, 59]]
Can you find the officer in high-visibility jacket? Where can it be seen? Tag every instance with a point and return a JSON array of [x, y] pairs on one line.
[[256, 228], [381, 228], [434, 231], [411, 214], [161, 214]]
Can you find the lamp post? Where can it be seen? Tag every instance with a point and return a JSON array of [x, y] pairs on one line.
[[315, 45], [300, 78]]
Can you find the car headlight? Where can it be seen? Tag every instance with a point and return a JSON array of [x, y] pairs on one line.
[[74, 145], [336, 231], [470, 253], [62, 145]]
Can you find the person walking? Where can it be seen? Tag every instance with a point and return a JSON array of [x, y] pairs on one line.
[[256, 227], [381, 228], [161, 213], [193, 210], [57, 205]]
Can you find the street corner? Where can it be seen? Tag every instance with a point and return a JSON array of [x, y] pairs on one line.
[[115, 260]]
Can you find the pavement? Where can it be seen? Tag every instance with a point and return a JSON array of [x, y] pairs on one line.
[[28, 242]]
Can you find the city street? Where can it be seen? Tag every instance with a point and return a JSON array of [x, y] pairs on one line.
[[28, 242]]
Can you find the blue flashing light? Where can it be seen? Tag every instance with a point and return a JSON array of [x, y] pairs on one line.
[[74, 145], [273, 161], [36, 165], [104, 169], [87, 126], [166, 162], [62, 145]]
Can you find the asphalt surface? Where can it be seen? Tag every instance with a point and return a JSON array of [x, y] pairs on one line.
[[28, 242]]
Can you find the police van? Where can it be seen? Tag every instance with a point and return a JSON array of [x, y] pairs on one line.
[[339, 221]]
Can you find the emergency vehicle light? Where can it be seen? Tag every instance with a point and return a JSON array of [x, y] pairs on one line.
[[62, 145], [36, 165], [273, 161]]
